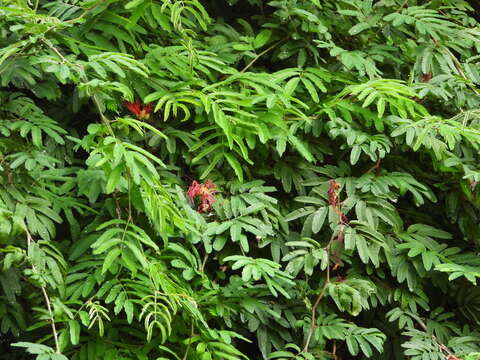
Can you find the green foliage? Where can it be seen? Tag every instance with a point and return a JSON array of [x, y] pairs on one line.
[[334, 147]]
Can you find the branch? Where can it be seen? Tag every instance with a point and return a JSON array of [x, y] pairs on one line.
[[95, 99], [319, 298], [443, 348], [105, 120], [47, 300], [374, 167], [204, 262], [261, 54], [458, 66], [405, 3], [85, 12], [188, 346]]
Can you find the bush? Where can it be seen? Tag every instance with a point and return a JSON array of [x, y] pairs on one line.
[[216, 180]]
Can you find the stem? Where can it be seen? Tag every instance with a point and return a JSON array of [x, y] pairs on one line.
[[85, 12], [261, 54], [55, 50], [105, 120], [118, 209], [314, 312], [443, 348], [52, 320], [319, 298], [374, 167], [458, 66], [403, 5], [188, 346], [47, 301], [204, 262]]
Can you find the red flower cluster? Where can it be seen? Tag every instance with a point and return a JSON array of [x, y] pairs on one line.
[[426, 77], [332, 193], [333, 200], [203, 192], [141, 112]]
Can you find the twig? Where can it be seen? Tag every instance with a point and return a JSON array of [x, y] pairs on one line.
[[204, 262], [374, 167], [458, 66], [319, 298], [118, 209], [96, 101], [334, 350], [443, 348], [55, 50], [105, 120], [85, 12], [47, 300], [402, 6], [314, 312], [188, 346], [261, 54], [52, 320]]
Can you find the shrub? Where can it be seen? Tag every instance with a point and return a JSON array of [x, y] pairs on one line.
[[217, 180]]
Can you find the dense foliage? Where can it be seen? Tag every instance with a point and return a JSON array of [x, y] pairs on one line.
[[292, 179]]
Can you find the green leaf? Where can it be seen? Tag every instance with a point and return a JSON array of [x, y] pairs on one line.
[[355, 154], [291, 86], [128, 307], [110, 258], [114, 178], [74, 328], [311, 89], [235, 165], [262, 38], [132, 4], [318, 219], [358, 28]]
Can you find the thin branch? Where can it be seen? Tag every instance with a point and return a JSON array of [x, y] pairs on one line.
[[47, 300], [334, 350], [85, 12], [458, 66], [374, 167], [95, 99], [314, 311], [188, 346], [319, 298], [405, 3], [52, 320], [55, 50], [443, 348], [105, 120], [118, 209], [204, 262], [261, 54]]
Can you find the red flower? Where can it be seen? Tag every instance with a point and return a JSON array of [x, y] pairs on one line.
[[424, 78], [332, 193], [203, 192], [452, 357], [340, 236], [142, 113], [333, 200]]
